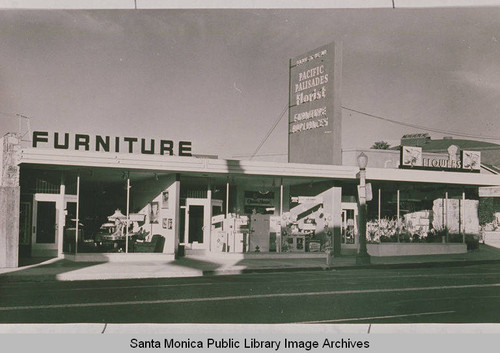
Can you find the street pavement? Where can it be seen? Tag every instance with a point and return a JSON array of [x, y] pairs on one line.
[[437, 294]]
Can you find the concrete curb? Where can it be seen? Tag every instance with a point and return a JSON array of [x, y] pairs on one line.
[[350, 267]]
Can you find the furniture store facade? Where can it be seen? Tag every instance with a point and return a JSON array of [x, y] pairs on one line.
[[107, 205]]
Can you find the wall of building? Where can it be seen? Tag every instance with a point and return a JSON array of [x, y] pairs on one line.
[[9, 226], [9, 200], [376, 158], [158, 200]]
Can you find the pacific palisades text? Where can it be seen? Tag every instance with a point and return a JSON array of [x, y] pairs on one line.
[[249, 343]]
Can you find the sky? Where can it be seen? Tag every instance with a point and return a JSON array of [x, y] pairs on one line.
[[219, 78]]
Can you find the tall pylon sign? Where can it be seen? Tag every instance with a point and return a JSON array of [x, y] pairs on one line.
[[315, 113]]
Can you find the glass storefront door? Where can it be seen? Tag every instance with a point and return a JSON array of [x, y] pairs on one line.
[[48, 224], [45, 225], [349, 227], [198, 217], [196, 223]]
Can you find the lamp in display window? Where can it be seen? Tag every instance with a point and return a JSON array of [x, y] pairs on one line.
[[117, 215]]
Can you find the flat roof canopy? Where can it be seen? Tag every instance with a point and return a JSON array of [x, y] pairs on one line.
[[141, 167]]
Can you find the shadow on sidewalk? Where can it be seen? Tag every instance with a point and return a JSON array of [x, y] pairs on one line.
[[42, 269]]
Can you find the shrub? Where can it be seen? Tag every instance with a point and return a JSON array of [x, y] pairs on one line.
[[389, 230], [436, 235], [486, 210], [471, 240]]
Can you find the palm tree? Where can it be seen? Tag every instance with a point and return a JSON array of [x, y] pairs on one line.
[[380, 145]]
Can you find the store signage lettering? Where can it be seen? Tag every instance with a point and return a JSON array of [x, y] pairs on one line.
[[257, 199], [308, 125], [314, 120], [308, 58], [441, 163], [310, 79], [79, 142], [302, 122], [314, 78], [307, 199], [412, 157]]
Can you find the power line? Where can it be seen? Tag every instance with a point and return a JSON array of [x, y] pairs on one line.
[[422, 127], [285, 109], [260, 155], [371, 116]]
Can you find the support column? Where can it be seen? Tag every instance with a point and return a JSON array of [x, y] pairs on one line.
[[281, 198], [128, 213], [379, 199], [336, 223], [463, 217], [207, 230], [446, 210], [175, 194], [9, 200], [77, 221], [61, 221], [398, 209], [446, 215], [227, 198], [397, 202]]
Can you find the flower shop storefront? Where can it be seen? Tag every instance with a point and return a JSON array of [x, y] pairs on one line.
[[416, 218]]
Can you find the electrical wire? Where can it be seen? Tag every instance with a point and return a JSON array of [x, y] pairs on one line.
[[441, 131], [285, 109], [447, 132]]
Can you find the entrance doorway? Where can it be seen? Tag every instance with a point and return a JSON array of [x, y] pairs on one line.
[[48, 224], [349, 227], [198, 216], [196, 224]]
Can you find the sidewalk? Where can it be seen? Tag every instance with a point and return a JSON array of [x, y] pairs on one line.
[[65, 270]]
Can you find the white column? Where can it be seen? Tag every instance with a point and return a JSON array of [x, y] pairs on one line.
[[128, 213], [227, 199], [77, 212], [207, 226], [398, 210], [281, 198], [397, 202], [446, 210], [379, 198], [61, 218], [463, 216]]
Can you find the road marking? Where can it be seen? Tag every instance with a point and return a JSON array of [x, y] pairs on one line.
[[242, 297], [374, 317], [350, 278], [143, 286], [340, 275], [114, 287], [427, 299]]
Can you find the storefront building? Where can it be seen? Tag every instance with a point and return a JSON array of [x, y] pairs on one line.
[[101, 206], [112, 198]]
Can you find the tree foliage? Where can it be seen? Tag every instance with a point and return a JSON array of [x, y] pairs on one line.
[[486, 210], [380, 145]]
